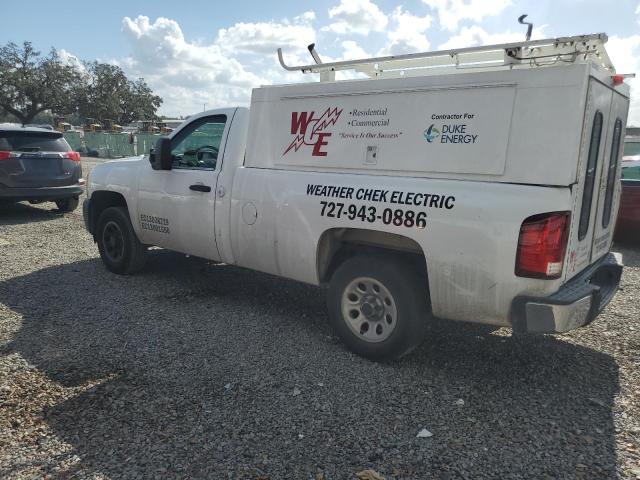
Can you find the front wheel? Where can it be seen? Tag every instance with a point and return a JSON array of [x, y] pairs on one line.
[[67, 204], [378, 305], [119, 247]]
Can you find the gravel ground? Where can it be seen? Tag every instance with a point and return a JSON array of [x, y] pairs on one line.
[[197, 370]]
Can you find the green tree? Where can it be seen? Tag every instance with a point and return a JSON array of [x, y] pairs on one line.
[[109, 94], [141, 104], [31, 83], [105, 87]]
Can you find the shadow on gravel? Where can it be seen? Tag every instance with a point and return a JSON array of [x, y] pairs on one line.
[[20, 213], [204, 360], [630, 253]]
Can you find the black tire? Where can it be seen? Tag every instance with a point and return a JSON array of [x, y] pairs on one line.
[[119, 247], [67, 204], [410, 314]]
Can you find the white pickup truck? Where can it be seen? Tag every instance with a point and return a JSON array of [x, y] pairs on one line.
[[478, 185]]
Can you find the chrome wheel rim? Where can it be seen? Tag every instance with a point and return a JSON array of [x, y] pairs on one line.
[[113, 241], [369, 309]]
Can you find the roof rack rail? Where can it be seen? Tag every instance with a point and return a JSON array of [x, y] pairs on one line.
[[533, 53]]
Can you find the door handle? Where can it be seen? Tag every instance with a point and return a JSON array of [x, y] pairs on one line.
[[200, 188]]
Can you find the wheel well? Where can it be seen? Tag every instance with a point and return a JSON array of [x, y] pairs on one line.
[[338, 244], [100, 201]]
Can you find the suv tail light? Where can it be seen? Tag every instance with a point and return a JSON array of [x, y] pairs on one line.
[[542, 245], [4, 154], [75, 156]]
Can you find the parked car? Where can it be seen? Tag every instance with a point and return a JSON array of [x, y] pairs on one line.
[[38, 165], [628, 226]]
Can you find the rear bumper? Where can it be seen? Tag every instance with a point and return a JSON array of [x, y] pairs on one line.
[[576, 304], [41, 193]]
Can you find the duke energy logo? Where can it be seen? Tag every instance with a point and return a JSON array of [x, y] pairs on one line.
[[431, 133], [311, 131]]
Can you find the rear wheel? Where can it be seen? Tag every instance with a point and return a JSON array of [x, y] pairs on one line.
[[378, 306], [119, 247], [67, 204]]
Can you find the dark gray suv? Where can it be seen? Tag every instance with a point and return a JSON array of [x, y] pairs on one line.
[[37, 164]]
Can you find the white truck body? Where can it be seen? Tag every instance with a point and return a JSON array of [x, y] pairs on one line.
[[443, 167]]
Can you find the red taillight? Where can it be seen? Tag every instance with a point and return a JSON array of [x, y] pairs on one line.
[[4, 154], [75, 156], [542, 244]]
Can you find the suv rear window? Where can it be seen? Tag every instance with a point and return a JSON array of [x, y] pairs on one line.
[[33, 142], [590, 176]]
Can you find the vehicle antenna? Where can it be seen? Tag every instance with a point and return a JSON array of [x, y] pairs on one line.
[[314, 54], [530, 25]]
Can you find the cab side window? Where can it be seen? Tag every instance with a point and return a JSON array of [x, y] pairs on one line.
[[198, 145]]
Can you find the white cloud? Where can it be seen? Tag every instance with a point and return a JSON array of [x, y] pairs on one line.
[[408, 34], [266, 37], [352, 51], [476, 35], [625, 56], [69, 59], [306, 17], [451, 12], [185, 74], [356, 17]]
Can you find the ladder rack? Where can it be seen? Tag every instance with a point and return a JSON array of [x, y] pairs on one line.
[[534, 53]]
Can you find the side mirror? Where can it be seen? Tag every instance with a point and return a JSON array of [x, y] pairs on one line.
[[160, 157]]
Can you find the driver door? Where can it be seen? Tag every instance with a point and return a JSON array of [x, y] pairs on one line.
[[184, 197]]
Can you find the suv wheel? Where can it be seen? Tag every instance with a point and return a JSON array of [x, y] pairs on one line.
[[67, 204], [378, 305], [119, 247]]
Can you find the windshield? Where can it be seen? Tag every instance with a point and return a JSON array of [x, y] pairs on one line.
[[631, 148], [33, 142]]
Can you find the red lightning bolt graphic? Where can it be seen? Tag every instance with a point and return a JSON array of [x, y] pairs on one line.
[[296, 144], [328, 118]]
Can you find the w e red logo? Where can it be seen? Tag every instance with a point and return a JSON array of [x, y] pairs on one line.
[[310, 130]]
